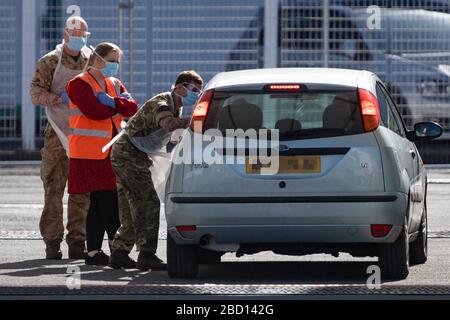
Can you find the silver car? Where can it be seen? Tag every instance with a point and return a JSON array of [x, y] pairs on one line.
[[348, 177]]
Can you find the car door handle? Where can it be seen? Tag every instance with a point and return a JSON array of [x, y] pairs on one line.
[[412, 152]]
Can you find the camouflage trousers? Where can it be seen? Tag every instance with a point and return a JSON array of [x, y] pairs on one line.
[[138, 201], [54, 171]]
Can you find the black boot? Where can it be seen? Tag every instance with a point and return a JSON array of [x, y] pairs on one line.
[[53, 251], [100, 259], [77, 250], [120, 260], [148, 260]]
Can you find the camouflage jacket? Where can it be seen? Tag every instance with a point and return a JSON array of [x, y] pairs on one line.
[[150, 114], [43, 77]]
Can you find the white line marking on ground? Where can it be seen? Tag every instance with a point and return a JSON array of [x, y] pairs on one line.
[[36, 235], [23, 206]]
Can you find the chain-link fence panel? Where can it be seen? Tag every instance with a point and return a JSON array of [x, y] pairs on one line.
[[109, 21], [10, 67], [209, 36], [405, 42], [158, 38]]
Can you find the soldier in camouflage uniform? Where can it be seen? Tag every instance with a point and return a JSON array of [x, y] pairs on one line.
[[53, 71], [138, 201]]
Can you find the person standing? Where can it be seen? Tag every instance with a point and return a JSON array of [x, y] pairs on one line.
[[98, 104], [139, 205], [53, 71]]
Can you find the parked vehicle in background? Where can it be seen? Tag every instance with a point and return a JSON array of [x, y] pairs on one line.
[[410, 51]]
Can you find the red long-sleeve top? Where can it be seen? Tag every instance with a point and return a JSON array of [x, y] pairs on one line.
[[95, 175]]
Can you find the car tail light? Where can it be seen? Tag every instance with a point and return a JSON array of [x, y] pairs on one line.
[[369, 110], [186, 228], [201, 111], [380, 230], [187, 232]]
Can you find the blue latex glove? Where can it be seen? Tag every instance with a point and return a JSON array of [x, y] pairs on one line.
[[106, 99], [126, 95], [65, 98]]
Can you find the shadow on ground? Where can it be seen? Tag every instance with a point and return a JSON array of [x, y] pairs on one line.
[[224, 273]]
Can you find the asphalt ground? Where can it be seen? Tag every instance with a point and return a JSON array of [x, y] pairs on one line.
[[24, 272]]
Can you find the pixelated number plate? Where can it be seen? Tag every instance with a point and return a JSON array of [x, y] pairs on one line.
[[287, 165]]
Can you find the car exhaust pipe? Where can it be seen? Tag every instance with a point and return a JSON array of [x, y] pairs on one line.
[[205, 240], [208, 242]]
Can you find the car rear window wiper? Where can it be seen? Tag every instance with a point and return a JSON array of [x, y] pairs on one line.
[[319, 132]]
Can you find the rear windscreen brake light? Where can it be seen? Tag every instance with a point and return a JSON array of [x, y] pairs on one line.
[[284, 87]]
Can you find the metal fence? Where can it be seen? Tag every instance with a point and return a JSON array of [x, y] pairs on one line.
[[108, 21], [407, 47], [208, 36], [406, 42], [10, 66]]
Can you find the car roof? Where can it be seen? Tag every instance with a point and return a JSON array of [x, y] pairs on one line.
[[332, 76]]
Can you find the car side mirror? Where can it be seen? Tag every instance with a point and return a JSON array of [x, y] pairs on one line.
[[424, 131]]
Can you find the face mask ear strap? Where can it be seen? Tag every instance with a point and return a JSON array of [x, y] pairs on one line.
[[200, 91], [93, 51]]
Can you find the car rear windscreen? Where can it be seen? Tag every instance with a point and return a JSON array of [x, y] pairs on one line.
[[297, 115]]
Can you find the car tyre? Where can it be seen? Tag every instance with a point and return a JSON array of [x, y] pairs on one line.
[[182, 260], [419, 248], [394, 257]]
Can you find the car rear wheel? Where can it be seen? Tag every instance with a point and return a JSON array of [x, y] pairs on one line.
[[394, 257], [419, 248], [182, 260]]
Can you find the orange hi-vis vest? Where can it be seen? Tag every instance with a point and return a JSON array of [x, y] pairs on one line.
[[88, 136]]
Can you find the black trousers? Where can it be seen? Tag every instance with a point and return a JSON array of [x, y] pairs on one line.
[[103, 215]]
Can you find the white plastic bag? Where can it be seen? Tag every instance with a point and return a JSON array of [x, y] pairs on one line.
[[186, 112], [155, 146], [160, 172], [162, 162], [154, 143]]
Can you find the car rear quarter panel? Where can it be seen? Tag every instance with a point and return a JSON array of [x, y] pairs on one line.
[[396, 176]]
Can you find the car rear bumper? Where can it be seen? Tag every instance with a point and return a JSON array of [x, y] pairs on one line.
[[269, 219]]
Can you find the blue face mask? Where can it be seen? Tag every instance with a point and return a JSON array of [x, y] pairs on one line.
[[190, 99], [111, 69], [76, 43]]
